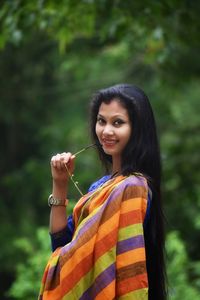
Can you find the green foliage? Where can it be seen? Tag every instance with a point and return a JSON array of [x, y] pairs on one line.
[[180, 286], [163, 31], [29, 271], [179, 143]]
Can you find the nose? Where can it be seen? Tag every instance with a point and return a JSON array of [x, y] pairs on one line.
[[108, 130]]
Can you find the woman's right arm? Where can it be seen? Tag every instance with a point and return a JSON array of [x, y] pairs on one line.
[[60, 178]]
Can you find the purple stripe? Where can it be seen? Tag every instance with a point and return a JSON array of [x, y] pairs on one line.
[[104, 279], [130, 244], [135, 180]]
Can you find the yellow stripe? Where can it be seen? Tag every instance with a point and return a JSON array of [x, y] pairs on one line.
[[54, 261], [130, 231], [141, 294]]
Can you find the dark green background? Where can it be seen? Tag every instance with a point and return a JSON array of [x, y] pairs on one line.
[[54, 55]]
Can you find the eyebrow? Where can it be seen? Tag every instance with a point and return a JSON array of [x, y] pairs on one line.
[[115, 116]]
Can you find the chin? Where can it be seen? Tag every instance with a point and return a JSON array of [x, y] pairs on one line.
[[110, 152]]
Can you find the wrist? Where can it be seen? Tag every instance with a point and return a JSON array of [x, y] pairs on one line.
[[59, 190], [55, 201], [60, 182]]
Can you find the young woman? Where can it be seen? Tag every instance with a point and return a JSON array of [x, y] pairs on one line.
[[111, 247]]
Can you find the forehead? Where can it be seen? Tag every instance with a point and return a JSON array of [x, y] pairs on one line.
[[114, 107]]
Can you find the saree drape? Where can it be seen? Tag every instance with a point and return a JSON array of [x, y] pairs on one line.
[[106, 257]]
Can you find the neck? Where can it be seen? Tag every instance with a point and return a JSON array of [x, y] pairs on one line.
[[116, 165]]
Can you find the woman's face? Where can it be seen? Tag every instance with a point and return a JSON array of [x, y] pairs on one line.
[[113, 127]]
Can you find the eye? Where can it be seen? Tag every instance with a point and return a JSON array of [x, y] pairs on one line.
[[100, 121], [118, 122]]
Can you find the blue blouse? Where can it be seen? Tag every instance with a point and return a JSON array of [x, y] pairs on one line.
[[64, 236]]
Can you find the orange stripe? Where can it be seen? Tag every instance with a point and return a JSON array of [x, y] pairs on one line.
[[130, 218], [52, 295], [109, 225], [131, 284], [81, 253], [131, 257], [78, 272], [132, 204], [105, 244], [107, 293], [98, 201]]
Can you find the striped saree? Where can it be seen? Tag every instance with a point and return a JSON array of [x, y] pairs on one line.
[[106, 257]]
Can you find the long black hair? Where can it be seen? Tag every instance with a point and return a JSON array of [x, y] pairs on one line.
[[141, 155]]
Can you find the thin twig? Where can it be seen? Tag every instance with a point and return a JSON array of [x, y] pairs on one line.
[[74, 182], [71, 175], [92, 145]]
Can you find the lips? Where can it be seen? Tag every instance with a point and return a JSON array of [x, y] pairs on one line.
[[108, 142]]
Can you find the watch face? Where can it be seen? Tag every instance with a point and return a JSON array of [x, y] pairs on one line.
[[53, 201], [50, 200]]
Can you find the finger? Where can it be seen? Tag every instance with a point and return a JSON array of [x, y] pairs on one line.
[[66, 159], [53, 161], [69, 162], [57, 161], [72, 162], [61, 159]]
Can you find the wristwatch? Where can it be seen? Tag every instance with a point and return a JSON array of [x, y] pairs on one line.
[[57, 202]]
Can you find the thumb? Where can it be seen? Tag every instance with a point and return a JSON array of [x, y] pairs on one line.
[[72, 162]]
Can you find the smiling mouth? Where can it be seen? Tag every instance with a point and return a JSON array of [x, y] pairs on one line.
[[109, 142]]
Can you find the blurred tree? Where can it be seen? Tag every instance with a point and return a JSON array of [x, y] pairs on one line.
[[180, 286], [162, 31], [21, 117]]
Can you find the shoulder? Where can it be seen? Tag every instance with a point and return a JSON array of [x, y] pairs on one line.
[[135, 180], [134, 185]]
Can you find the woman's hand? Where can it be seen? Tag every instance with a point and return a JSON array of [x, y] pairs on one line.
[[58, 167]]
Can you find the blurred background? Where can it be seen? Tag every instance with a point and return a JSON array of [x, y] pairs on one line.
[[54, 55]]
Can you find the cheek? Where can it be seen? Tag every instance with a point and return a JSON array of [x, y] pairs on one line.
[[97, 130], [127, 134]]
